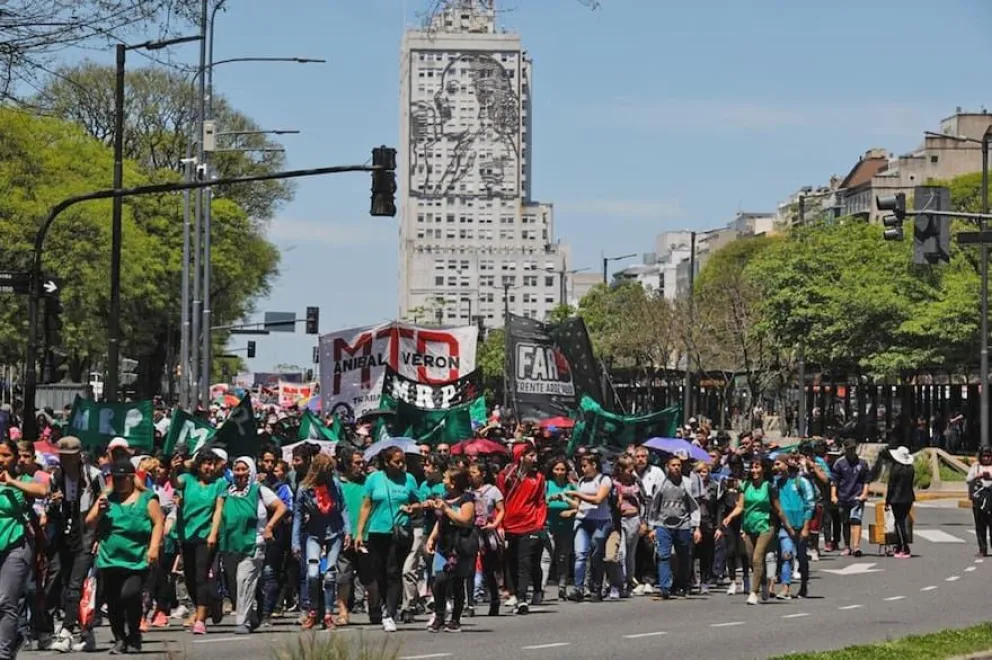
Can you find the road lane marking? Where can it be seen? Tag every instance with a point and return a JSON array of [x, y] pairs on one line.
[[728, 624], [937, 536], [424, 657], [640, 635], [953, 578], [538, 647], [930, 588], [970, 569], [850, 607], [892, 598], [979, 561], [797, 615], [221, 639]]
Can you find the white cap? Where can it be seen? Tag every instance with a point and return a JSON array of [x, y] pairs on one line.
[[118, 443], [220, 453]]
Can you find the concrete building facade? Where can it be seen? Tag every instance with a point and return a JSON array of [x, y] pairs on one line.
[[469, 229]]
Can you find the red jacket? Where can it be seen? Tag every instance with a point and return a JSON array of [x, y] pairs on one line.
[[526, 508]]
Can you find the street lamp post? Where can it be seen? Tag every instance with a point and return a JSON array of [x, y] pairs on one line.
[[117, 230], [984, 267], [607, 260]]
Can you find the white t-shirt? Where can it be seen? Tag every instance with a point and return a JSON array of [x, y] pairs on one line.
[[599, 511]]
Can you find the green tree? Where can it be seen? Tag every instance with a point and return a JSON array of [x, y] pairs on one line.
[[160, 116], [44, 160], [630, 326], [490, 360]]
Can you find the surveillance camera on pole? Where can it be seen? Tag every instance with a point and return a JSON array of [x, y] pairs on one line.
[[893, 223]]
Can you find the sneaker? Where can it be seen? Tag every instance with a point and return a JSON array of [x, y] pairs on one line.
[[160, 620], [803, 592], [119, 648], [783, 595], [180, 612], [388, 625], [614, 594], [638, 590], [242, 630], [704, 589], [845, 552], [64, 642], [199, 628], [576, 596], [814, 556], [732, 589], [752, 599], [510, 602], [309, 621], [434, 629], [453, 627], [134, 644]]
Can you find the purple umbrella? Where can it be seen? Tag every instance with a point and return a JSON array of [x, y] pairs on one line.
[[676, 445]]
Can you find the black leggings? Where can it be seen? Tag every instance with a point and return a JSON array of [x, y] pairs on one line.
[[197, 561], [381, 570], [983, 528], [122, 592], [160, 587], [453, 582], [901, 512]]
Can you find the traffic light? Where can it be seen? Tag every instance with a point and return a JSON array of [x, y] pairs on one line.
[[53, 322], [893, 223], [54, 368], [932, 234], [313, 320], [251, 349], [384, 182], [316, 355]]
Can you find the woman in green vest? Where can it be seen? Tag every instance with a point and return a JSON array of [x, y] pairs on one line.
[[15, 549], [200, 510], [759, 503], [251, 513], [129, 525]]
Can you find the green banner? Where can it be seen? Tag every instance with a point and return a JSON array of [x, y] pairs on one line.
[[238, 435], [96, 424], [448, 426], [595, 427], [311, 428], [189, 430]]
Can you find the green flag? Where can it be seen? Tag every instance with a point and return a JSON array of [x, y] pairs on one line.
[[189, 430], [96, 424], [239, 432], [595, 427], [449, 425], [311, 428]]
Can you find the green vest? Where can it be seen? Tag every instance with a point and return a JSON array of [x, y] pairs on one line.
[[125, 533], [239, 529]]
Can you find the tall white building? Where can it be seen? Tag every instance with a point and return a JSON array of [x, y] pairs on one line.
[[469, 226]]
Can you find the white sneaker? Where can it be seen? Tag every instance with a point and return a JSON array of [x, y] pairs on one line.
[[180, 612], [510, 602], [388, 625], [732, 589], [814, 556], [752, 599]]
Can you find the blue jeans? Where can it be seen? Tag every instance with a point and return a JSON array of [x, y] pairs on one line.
[[679, 540], [789, 550], [590, 538], [322, 571]]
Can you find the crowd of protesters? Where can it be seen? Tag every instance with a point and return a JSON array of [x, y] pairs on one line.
[[423, 533]]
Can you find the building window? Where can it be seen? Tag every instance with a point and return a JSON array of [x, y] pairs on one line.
[[438, 281], [933, 160], [549, 280]]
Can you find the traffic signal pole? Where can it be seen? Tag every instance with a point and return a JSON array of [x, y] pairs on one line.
[[35, 289]]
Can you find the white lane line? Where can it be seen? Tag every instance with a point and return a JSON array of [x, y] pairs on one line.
[[937, 536], [797, 615], [424, 657], [930, 588], [640, 635], [538, 647], [850, 607], [953, 578], [973, 532], [979, 561], [221, 639], [970, 569], [728, 624], [892, 598]]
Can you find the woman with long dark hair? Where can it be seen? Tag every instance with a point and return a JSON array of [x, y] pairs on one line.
[[454, 544], [129, 526], [593, 524], [561, 523], [16, 551], [385, 535], [489, 512], [200, 513]]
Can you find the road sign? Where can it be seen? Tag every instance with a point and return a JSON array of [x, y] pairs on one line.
[[973, 237], [51, 286], [19, 283], [280, 321]]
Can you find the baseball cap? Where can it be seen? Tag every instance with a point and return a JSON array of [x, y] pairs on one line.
[[122, 468], [69, 444], [118, 443]]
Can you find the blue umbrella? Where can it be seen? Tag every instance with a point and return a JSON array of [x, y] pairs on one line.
[[678, 445], [408, 445]]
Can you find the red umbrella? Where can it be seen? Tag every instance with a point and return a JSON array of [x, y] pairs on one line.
[[479, 446], [559, 422]]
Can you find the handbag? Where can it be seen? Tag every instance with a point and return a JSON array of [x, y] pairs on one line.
[[401, 533]]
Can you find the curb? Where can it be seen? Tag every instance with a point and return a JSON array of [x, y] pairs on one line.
[[981, 655]]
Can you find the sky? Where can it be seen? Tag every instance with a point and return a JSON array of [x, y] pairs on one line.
[[649, 116]]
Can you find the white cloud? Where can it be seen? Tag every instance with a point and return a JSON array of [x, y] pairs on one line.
[[330, 233], [630, 208], [710, 116]]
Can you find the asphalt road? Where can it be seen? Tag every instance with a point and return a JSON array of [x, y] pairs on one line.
[[877, 598]]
